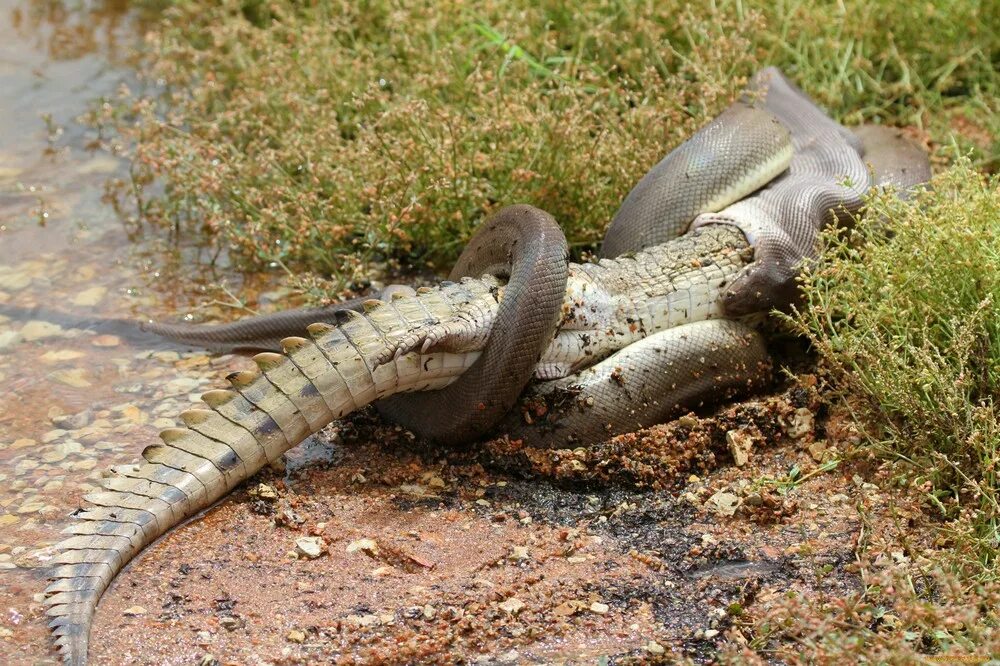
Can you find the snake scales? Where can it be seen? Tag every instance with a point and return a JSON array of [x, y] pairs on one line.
[[632, 337]]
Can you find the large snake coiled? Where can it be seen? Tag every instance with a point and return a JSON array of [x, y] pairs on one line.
[[727, 173]]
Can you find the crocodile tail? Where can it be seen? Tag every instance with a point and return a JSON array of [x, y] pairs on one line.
[[266, 412]]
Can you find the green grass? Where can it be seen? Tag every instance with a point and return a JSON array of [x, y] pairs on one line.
[[342, 139], [905, 312]]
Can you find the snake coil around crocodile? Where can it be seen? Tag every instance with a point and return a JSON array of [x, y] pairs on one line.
[[716, 230]]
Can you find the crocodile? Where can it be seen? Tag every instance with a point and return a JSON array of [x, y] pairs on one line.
[[652, 321]]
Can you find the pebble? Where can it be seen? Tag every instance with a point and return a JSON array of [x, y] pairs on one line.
[[801, 423], [54, 455], [90, 297], [817, 449], [73, 421], [31, 506], [230, 623], [368, 546], [265, 492], [599, 608], [310, 547], [38, 330], [105, 341], [653, 647], [53, 435], [134, 611], [296, 636], [76, 377], [61, 355], [740, 444], [23, 443], [133, 414], [723, 503], [14, 281], [711, 633], [7, 519], [513, 605], [9, 339], [519, 553]]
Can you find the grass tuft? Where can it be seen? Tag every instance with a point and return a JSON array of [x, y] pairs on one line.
[[905, 311]]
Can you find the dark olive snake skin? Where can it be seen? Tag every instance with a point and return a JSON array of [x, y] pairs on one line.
[[626, 341]]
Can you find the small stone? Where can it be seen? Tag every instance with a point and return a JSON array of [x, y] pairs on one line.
[[513, 605], [38, 330], [133, 414], [31, 506], [653, 647], [265, 492], [687, 421], [428, 612], [311, 547], [711, 633], [7, 519], [23, 443], [817, 450], [75, 377], [519, 553], [14, 281], [568, 608], [599, 608], [740, 443], [9, 339], [54, 455], [230, 623], [105, 341], [801, 423], [134, 611], [723, 503], [60, 356], [368, 546], [53, 435], [90, 297], [839, 498], [296, 636], [73, 421], [366, 620]]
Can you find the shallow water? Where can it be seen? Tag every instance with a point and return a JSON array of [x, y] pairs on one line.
[[75, 398]]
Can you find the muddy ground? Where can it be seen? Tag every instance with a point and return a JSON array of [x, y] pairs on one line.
[[652, 548]]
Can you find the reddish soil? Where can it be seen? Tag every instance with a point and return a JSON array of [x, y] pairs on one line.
[[500, 555]]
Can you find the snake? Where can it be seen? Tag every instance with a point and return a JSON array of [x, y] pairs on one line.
[[772, 165]]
